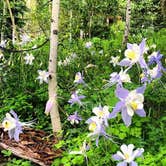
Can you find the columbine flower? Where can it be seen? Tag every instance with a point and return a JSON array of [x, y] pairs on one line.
[[102, 113], [3, 43], [25, 39], [151, 74], [130, 103], [157, 71], [114, 60], [76, 99], [43, 76], [155, 57], [74, 118], [88, 44], [127, 155], [96, 127], [79, 78], [12, 124], [134, 54], [28, 59], [118, 78]]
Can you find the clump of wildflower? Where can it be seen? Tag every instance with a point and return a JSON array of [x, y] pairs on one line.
[[12, 124], [75, 98], [127, 155], [74, 118], [79, 79], [43, 76], [98, 123], [29, 59], [129, 104], [68, 60]]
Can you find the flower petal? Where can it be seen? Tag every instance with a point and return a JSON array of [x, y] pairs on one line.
[[125, 62], [129, 45], [133, 163], [141, 112], [117, 109], [138, 152], [122, 164], [117, 157], [141, 89], [130, 111], [142, 46], [121, 92], [124, 148], [126, 118]]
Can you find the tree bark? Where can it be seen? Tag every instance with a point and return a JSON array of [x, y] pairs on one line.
[[52, 85], [127, 26]]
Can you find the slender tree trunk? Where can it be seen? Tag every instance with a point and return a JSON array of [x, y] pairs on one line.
[[13, 22], [3, 21], [71, 17], [127, 26], [52, 86]]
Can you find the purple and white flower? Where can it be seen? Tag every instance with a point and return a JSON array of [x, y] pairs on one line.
[[74, 118], [76, 99], [96, 127], [129, 104], [102, 113], [134, 54], [128, 155], [43, 76], [155, 57], [152, 74], [79, 79], [12, 124], [118, 78], [29, 58]]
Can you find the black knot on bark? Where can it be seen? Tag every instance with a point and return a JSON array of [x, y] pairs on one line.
[[55, 31]]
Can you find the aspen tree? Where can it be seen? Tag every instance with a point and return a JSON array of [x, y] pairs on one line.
[[127, 26], [52, 85]]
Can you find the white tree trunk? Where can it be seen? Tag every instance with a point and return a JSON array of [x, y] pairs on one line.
[[127, 26], [52, 85]]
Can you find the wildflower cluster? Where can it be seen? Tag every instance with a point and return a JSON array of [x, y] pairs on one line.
[[68, 60], [130, 102], [76, 99]]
